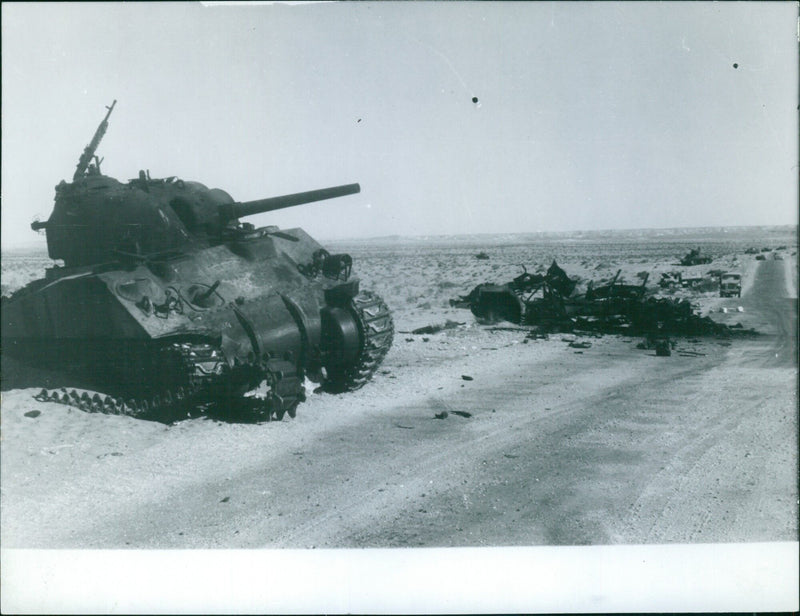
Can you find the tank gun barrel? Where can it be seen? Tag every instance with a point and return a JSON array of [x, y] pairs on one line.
[[89, 150], [247, 208]]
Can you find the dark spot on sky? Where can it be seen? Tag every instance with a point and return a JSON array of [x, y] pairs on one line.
[[474, 99], [735, 65], [359, 119]]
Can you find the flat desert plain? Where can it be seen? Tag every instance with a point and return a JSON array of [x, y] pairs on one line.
[[542, 444]]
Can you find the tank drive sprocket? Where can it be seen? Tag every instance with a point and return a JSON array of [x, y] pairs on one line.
[[375, 326]]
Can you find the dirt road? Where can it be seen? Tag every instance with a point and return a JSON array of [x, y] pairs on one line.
[[607, 445]]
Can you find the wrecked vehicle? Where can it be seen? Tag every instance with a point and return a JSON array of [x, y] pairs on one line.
[[691, 281], [606, 300], [694, 257], [536, 299], [167, 301], [730, 284], [550, 302], [525, 299], [670, 280], [615, 289]]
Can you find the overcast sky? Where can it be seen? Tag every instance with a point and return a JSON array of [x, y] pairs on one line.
[[589, 116]]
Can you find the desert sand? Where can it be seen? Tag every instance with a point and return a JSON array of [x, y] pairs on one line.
[[536, 443]]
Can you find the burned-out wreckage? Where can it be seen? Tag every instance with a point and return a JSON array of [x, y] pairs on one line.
[[551, 302]]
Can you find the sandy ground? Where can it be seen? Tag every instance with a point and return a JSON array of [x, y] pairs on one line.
[[605, 445], [624, 481]]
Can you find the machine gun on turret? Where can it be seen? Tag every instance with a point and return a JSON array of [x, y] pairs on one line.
[[89, 150]]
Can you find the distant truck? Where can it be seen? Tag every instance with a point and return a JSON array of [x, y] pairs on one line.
[[730, 284]]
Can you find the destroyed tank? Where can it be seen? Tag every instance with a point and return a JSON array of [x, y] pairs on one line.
[[695, 257], [167, 299]]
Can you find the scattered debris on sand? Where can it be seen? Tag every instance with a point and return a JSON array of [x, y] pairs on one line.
[[435, 329]]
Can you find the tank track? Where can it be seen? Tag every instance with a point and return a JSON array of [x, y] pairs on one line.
[[198, 377], [197, 380], [376, 326]]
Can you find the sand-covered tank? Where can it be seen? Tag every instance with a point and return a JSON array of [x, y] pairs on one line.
[[167, 299]]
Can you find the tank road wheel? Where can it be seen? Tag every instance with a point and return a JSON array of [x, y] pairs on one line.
[[356, 340]]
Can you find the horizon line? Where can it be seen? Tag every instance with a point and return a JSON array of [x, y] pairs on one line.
[[43, 242]]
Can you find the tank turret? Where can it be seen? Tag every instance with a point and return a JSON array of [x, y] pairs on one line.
[[167, 297], [97, 219]]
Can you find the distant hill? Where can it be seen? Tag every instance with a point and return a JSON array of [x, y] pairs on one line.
[[681, 234], [677, 234]]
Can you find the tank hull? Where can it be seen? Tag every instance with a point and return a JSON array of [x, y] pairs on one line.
[[256, 310]]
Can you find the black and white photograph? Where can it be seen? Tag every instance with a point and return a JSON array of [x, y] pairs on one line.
[[399, 307]]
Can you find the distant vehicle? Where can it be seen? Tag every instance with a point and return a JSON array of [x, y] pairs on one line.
[[694, 257], [691, 281], [760, 258], [730, 285], [670, 280]]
